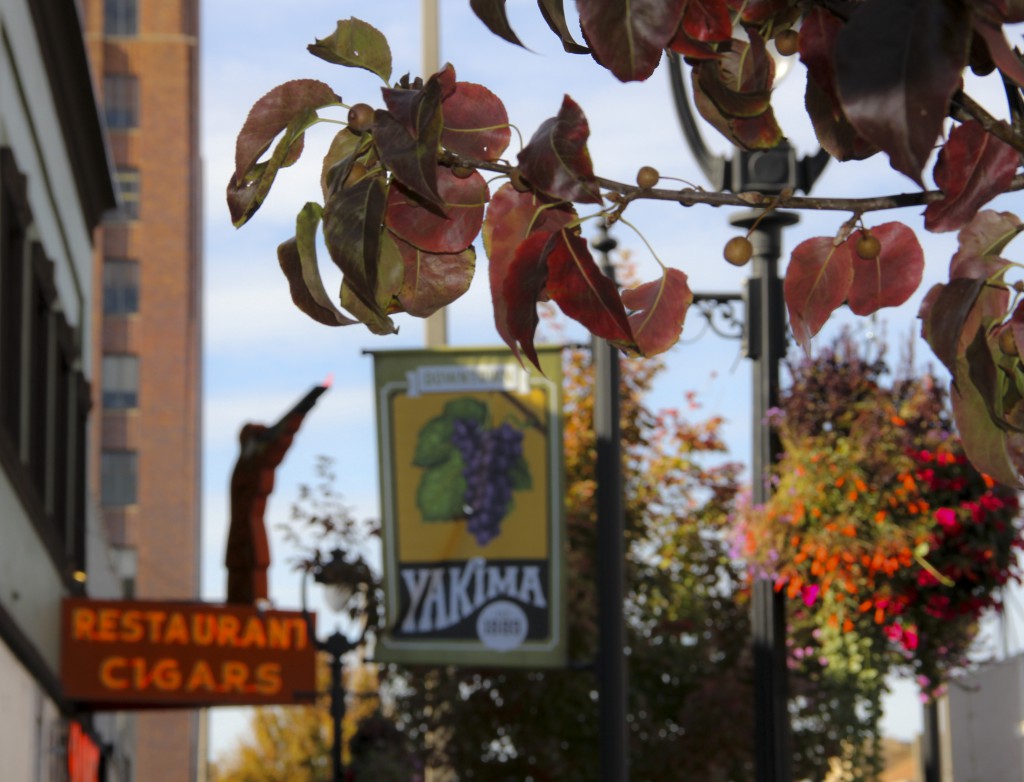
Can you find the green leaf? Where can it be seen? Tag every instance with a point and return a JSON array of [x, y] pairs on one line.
[[519, 474], [434, 443], [358, 45], [352, 227], [442, 490], [389, 282], [298, 260], [467, 408], [338, 160], [985, 444]]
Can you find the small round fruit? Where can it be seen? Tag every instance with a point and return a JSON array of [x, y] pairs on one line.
[[360, 118], [868, 247], [1007, 343], [738, 250], [516, 177], [647, 177], [463, 172], [787, 42]]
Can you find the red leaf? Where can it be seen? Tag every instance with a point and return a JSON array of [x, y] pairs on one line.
[[492, 13], [891, 278], [556, 160], [981, 242], [660, 309], [511, 217], [817, 281], [759, 132], [521, 289], [272, 113], [408, 137], [475, 122], [432, 280], [582, 290], [951, 315], [999, 50], [895, 87], [973, 168], [740, 81], [463, 201], [707, 20], [627, 36], [757, 12], [553, 12]]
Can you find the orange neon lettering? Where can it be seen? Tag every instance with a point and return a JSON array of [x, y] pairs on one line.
[[301, 639], [132, 630], [278, 628], [201, 678], [155, 620], [83, 620], [108, 674], [233, 676], [268, 678], [255, 633], [204, 628], [176, 631], [228, 630], [107, 624], [166, 675]]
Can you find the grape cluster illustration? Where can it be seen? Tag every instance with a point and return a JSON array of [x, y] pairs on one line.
[[471, 468]]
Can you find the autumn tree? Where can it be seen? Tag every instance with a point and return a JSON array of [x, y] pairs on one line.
[[404, 198]]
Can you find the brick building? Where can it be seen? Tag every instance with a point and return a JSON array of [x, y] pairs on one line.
[[145, 62]]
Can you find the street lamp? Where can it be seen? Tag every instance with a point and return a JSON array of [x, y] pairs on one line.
[[345, 586], [771, 172]]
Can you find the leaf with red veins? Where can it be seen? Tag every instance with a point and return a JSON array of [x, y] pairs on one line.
[[583, 292], [817, 282], [898, 63], [524, 285], [433, 280], [890, 279], [628, 36], [272, 113], [659, 309], [408, 141], [973, 168], [475, 123], [707, 20], [463, 201], [556, 160], [981, 242], [1005, 59], [511, 217]]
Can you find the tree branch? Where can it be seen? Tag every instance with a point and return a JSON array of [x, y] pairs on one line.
[[965, 108]]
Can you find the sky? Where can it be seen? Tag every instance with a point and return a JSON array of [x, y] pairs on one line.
[[262, 354]]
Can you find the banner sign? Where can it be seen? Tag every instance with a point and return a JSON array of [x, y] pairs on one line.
[[144, 654], [470, 447]]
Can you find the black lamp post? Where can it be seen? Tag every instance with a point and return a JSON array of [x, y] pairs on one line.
[[770, 172], [341, 580]]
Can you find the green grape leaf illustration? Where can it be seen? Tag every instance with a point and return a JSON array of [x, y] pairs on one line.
[[434, 444], [467, 408], [442, 490], [520, 475]]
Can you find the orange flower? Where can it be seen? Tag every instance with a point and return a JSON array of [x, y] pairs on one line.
[[861, 486], [847, 625], [880, 516], [897, 421]]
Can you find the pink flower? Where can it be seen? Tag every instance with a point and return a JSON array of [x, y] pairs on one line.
[[810, 594], [946, 518]]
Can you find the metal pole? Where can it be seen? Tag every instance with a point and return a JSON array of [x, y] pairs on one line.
[[611, 554], [337, 710], [930, 754], [766, 345]]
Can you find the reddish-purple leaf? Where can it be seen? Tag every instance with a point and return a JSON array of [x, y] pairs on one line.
[[740, 81], [973, 168], [999, 50], [273, 113], [757, 12], [492, 13], [583, 292], [891, 278], [352, 230], [817, 281], [628, 36], [659, 311], [760, 132], [511, 217], [475, 122], [432, 281], [463, 201], [898, 63], [707, 20], [946, 316], [522, 288], [556, 160], [408, 142], [981, 242], [1016, 326], [553, 12], [692, 49], [358, 45]]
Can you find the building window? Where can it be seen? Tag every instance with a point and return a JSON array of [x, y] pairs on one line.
[[119, 479], [120, 381], [120, 17], [128, 193], [120, 286], [121, 100]]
